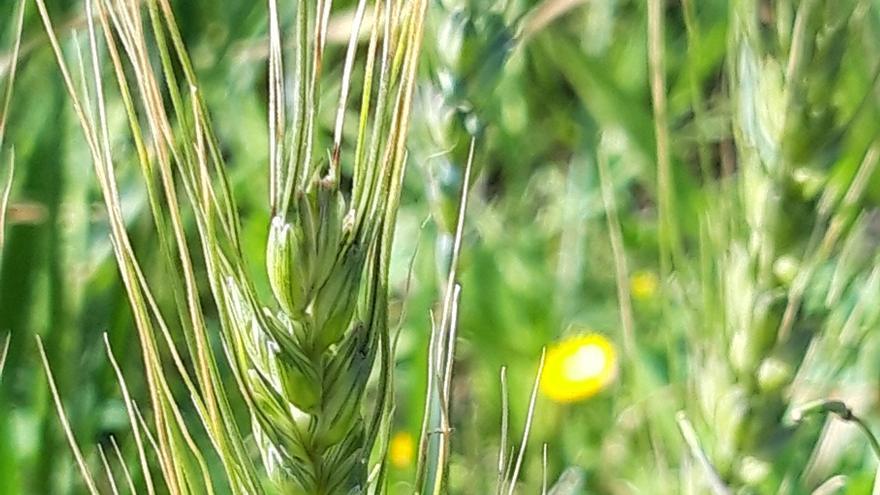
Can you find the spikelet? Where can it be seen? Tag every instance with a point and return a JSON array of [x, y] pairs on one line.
[[302, 359], [764, 282], [305, 365]]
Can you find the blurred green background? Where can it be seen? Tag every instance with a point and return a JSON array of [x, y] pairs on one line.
[[769, 113]]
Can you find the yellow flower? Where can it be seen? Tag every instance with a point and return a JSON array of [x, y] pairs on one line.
[[578, 368], [401, 450], [643, 284]]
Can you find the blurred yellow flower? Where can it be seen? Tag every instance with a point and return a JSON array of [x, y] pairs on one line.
[[578, 367], [643, 284], [401, 450]]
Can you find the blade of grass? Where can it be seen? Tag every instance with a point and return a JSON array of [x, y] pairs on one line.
[[4, 114], [528, 426], [544, 470], [10, 82], [621, 271], [570, 482], [124, 465], [4, 198], [3, 352], [132, 417], [668, 226], [107, 471], [505, 429], [693, 442], [434, 455], [62, 416], [831, 486]]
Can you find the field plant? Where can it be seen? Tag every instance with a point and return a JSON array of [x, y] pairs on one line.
[[56, 263], [9, 166], [301, 362], [788, 268], [471, 43]]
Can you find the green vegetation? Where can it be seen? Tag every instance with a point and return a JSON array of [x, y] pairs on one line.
[[431, 246]]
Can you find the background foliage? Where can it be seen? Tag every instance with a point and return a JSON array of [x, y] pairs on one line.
[[768, 123]]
